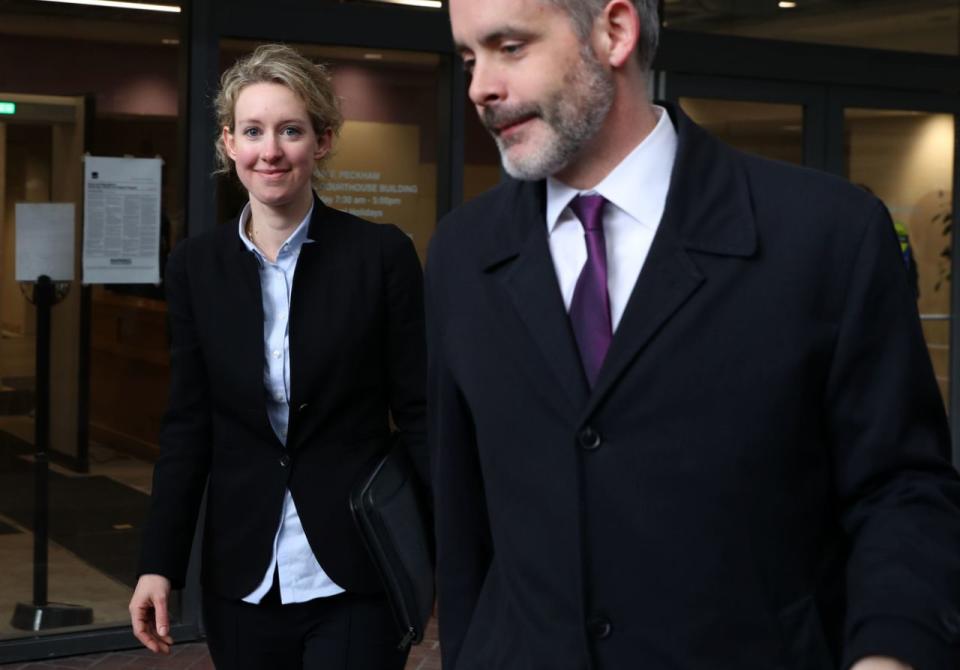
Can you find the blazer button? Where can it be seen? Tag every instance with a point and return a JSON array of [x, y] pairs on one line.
[[302, 407], [589, 439], [600, 628], [284, 461]]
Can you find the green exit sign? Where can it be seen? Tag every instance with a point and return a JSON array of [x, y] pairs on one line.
[[8, 107]]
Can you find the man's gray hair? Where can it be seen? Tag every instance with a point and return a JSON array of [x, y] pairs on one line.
[[584, 12]]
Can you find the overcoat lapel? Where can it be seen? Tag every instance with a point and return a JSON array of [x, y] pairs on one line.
[[708, 210], [521, 263], [668, 279]]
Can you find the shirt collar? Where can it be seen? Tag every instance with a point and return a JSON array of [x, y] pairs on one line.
[[638, 184], [291, 245]]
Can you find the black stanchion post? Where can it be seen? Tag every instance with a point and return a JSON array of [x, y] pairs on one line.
[[41, 614], [43, 301]]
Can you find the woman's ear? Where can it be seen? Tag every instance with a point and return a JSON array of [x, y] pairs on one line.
[[228, 143], [324, 144]]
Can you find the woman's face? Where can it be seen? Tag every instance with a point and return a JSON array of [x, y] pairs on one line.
[[273, 145]]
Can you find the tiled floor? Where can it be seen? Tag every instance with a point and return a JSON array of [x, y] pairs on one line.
[[70, 579], [76, 582], [193, 656], [182, 657]]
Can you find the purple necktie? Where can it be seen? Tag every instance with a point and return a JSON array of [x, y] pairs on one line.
[[590, 307]]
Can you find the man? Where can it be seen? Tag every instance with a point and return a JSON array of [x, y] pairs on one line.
[[682, 413]]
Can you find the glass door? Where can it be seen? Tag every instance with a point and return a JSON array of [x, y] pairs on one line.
[[68, 555], [778, 121]]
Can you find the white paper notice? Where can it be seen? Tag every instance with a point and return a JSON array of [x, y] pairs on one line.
[[45, 241], [121, 221]]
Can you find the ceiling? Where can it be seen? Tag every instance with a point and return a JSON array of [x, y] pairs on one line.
[[925, 26], [30, 18]]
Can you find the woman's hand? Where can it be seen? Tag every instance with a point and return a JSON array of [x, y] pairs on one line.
[[148, 613]]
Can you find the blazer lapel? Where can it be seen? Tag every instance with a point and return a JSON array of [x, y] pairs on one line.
[[242, 271], [708, 210], [520, 262], [316, 304]]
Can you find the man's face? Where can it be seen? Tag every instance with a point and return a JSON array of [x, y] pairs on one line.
[[540, 92]]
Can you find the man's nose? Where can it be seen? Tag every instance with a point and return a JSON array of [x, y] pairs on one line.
[[487, 85]]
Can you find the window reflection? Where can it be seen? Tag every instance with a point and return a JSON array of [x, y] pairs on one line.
[[766, 129], [103, 444], [481, 169], [906, 159]]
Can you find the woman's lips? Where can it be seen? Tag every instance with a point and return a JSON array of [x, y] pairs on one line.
[[272, 174]]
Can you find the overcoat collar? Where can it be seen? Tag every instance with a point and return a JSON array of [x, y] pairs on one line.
[[708, 210]]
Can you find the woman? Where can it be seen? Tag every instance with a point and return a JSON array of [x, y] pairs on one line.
[[296, 335]]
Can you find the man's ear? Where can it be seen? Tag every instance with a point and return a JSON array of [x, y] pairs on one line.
[[619, 27]]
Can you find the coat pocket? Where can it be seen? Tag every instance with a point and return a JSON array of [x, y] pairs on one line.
[[804, 643]]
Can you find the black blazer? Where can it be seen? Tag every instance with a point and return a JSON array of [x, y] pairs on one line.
[[357, 359], [760, 478]]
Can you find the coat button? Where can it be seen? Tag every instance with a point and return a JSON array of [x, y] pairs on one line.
[[951, 621], [600, 628], [302, 407], [589, 439], [284, 461]]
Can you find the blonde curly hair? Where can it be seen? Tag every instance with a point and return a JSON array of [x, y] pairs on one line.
[[278, 64]]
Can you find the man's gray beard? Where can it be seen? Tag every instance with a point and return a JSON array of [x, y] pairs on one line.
[[574, 116]]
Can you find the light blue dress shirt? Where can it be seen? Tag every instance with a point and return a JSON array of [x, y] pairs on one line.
[[300, 576]]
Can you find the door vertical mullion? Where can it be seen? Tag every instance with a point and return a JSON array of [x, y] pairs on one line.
[[954, 365]]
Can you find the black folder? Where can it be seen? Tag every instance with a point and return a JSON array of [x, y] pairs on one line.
[[390, 510]]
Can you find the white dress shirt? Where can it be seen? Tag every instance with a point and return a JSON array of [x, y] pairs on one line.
[[636, 194], [300, 576]]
